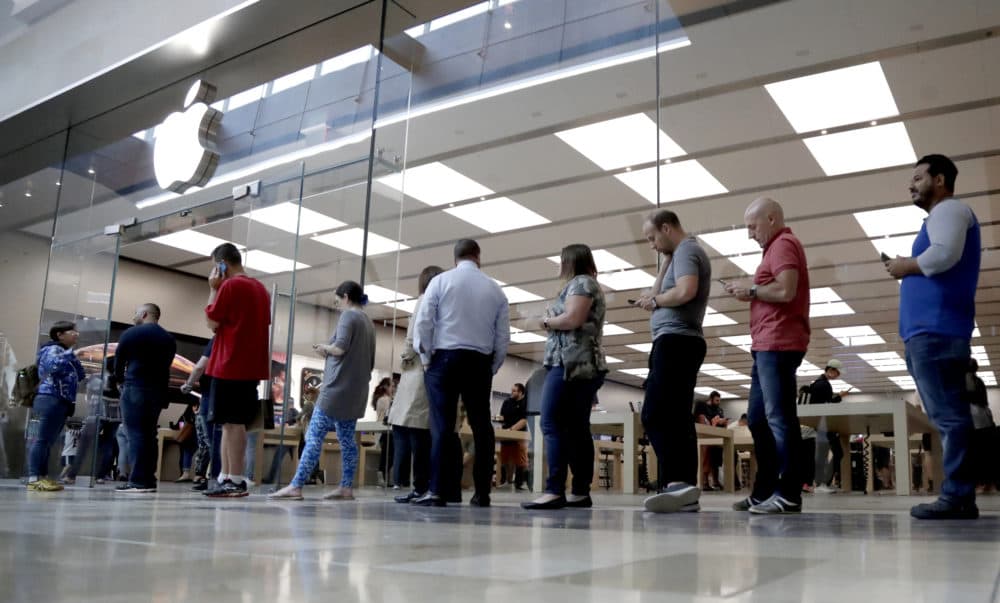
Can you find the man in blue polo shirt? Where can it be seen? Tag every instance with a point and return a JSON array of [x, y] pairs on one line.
[[937, 308]]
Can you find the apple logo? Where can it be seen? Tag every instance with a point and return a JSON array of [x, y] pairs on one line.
[[184, 155]]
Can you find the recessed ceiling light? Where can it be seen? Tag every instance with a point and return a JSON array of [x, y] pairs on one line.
[[435, 184], [351, 241], [613, 360], [884, 362], [855, 336], [720, 372], [904, 382], [285, 216], [383, 295], [820, 295], [27, 193], [605, 260], [611, 330], [636, 372], [808, 369], [626, 279], [645, 348], [979, 355], [497, 215], [678, 181], [989, 379], [620, 142], [835, 98], [519, 336], [191, 241], [707, 391], [715, 319], [895, 246], [270, 263], [891, 221], [730, 242], [507, 25], [294, 79], [747, 263], [516, 295], [862, 149], [829, 309], [91, 171], [743, 342]]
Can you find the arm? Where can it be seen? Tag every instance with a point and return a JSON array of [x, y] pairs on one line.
[[658, 283], [779, 291], [577, 308], [683, 292], [196, 373], [342, 338], [501, 332], [424, 328], [946, 227], [519, 426]]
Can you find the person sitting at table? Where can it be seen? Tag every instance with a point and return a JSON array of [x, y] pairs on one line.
[[350, 359], [711, 413]]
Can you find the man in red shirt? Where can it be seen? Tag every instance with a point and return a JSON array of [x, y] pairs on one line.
[[239, 312], [779, 330]]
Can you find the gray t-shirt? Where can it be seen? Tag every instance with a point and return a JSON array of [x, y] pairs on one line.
[[345, 378], [688, 258]]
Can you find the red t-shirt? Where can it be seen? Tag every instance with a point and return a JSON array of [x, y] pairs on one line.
[[776, 327], [242, 308]]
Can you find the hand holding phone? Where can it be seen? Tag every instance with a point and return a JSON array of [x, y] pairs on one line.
[[722, 281]]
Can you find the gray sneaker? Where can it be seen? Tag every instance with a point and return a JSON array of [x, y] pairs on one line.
[[744, 504], [776, 505], [675, 498]]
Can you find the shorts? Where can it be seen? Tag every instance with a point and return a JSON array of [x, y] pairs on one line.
[[233, 402]]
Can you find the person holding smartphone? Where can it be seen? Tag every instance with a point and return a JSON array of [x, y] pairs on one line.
[[677, 303]]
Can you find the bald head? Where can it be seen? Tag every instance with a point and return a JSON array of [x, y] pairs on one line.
[[764, 218]]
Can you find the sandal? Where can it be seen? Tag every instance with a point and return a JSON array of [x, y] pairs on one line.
[[286, 493], [338, 494]]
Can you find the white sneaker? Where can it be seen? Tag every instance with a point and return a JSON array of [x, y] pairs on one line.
[[824, 489], [678, 497]]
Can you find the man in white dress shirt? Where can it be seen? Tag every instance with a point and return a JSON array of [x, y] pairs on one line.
[[461, 334]]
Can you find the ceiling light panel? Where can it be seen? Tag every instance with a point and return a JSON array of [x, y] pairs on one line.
[[715, 319], [191, 241], [855, 336], [678, 181], [645, 348], [869, 148], [435, 184], [730, 242], [835, 98], [821, 295], [707, 391], [884, 362], [626, 279], [497, 215], [621, 142], [840, 385], [988, 377], [285, 216], [381, 295], [519, 336], [611, 330], [901, 246], [641, 373], [891, 221], [516, 295], [747, 263], [720, 372], [904, 382], [406, 305], [613, 360], [831, 309], [743, 342], [979, 355], [263, 261], [808, 369], [604, 259], [351, 241]]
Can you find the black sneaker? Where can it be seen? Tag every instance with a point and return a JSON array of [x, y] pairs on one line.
[[943, 509], [480, 500], [406, 498], [428, 500], [131, 488], [745, 504], [228, 489], [776, 505], [200, 486]]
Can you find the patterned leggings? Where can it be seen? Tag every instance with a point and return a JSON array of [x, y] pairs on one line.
[[320, 425], [204, 452]]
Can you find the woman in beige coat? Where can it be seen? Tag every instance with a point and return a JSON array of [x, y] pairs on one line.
[[409, 415]]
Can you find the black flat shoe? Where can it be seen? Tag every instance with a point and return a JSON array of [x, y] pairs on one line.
[[555, 503], [428, 500], [584, 503], [479, 501], [410, 497]]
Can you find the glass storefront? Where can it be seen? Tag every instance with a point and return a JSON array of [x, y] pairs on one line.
[[532, 124]]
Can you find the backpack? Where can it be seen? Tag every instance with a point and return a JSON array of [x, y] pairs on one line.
[[25, 386]]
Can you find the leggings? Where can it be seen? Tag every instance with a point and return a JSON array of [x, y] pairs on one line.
[[320, 425]]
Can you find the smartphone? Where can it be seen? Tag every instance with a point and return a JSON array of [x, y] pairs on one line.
[[631, 302], [885, 259], [222, 268], [722, 281]]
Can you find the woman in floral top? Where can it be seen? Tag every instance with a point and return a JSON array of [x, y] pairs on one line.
[[576, 368]]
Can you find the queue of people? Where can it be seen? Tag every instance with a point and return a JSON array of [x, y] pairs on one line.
[[458, 339]]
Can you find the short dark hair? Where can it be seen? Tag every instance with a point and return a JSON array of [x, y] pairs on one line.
[[520, 387], [714, 394], [229, 253], [576, 259], [426, 275], [353, 291], [59, 328], [664, 216], [940, 165], [466, 248], [152, 309]]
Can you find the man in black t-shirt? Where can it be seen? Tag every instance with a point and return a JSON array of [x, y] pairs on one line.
[[515, 417], [711, 413], [821, 392]]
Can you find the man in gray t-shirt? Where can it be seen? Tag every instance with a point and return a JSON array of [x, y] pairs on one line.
[[677, 301]]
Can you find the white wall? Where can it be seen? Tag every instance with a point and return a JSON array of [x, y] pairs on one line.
[[23, 261]]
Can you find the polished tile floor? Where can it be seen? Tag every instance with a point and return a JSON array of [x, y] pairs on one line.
[[90, 545]]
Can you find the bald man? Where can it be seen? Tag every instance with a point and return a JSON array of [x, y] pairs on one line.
[[778, 296]]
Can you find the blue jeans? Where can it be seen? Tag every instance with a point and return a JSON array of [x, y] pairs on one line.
[[124, 454], [319, 425], [774, 425], [141, 408], [469, 375], [250, 454], [566, 431], [938, 365], [51, 413]]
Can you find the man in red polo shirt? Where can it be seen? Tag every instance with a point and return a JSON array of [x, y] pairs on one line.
[[239, 312], [779, 329]]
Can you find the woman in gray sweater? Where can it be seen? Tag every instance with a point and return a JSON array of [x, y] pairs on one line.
[[350, 358]]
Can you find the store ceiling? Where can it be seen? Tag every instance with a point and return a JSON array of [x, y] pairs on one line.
[[943, 78]]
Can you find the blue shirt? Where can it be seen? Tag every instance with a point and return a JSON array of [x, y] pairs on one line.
[[942, 299], [59, 372], [463, 309]]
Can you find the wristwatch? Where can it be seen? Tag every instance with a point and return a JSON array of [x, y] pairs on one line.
[[545, 323], [753, 291], [656, 304]]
